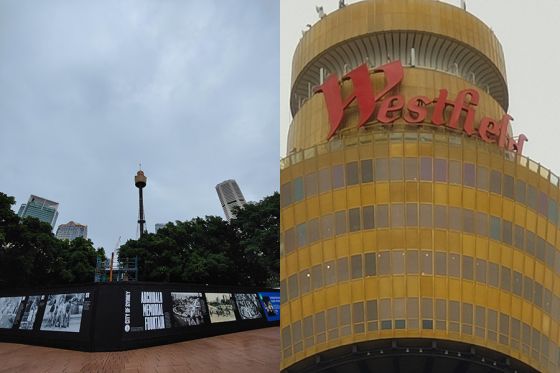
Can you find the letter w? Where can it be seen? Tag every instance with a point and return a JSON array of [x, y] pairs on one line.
[[363, 93]]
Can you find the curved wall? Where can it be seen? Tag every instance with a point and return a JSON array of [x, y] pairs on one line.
[[407, 232]]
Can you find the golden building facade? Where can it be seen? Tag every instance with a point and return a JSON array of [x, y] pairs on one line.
[[411, 245]]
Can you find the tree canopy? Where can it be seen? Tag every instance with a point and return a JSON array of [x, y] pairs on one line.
[[244, 251], [31, 255]]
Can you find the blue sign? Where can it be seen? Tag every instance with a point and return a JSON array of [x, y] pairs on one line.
[[270, 302]]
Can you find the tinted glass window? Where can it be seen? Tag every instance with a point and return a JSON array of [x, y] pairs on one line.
[[352, 176], [367, 171], [468, 174], [426, 169], [440, 170], [411, 168], [338, 176], [396, 168], [381, 169]]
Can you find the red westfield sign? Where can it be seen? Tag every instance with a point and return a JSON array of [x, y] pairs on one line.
[[393, 107]]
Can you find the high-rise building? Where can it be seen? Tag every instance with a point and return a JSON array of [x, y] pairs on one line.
[[40, 208], [415, 236], [230, 196], [71, 230]]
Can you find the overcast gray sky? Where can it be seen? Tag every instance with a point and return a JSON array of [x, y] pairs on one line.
[[88, 89], [528, 31]]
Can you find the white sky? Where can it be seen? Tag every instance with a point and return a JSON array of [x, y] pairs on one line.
[[528, 31]]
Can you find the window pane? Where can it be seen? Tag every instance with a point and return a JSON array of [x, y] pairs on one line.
[[352, 173], [301, 235], [326, 226], [425, 215], [505, 278], [468, 221], [354, 217], [495, 228], [440, 263], [313, 230], [496, 182], [440, 216], [481, 224], [454, 265], [381, 216], [519, 237], [517, 283], [396, 168], [358, 312], [298, 189], [412, 261], [440, 170], [340, 222], [481, 270], [324, 180], [367, 218], [506, 232], [411, 168], [285, 194], [317, 276], [411, 214], [384, 263], [320, 322], [397, 215], [356, 261], [329, 272], [342, 269], [338, 176], [370, 264], [467, 267], [367, 171], [468, 174], [455, 172], [455, 222], [493, 272], [532, 197], [311, 186], [290, 240], [397, 262], [426, 169], [381, 169], [520, 191], [412, 308], [426, 262], [482, 178], [293, 290], [508, 186], [528, 289], [371, 309], [305, 281]]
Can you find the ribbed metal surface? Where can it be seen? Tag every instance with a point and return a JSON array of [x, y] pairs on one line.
[[432, 51]]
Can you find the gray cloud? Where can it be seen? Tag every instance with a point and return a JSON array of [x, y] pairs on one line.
[[89, 89]]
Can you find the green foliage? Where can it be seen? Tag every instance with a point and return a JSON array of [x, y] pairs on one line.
[[31, 255], [210, 250]]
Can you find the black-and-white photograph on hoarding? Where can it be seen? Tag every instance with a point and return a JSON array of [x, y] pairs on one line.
[[8, 310], [188, 309], [30, 312], [63, 312], [248, 306], [220, 306]]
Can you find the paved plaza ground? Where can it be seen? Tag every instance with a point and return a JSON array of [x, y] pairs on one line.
[[253, 351]]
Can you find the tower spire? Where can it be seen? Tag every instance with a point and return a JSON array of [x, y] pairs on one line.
[[140, 183]]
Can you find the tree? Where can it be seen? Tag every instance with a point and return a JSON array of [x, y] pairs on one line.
[[31, 255], [211, 250], [258, 227]]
